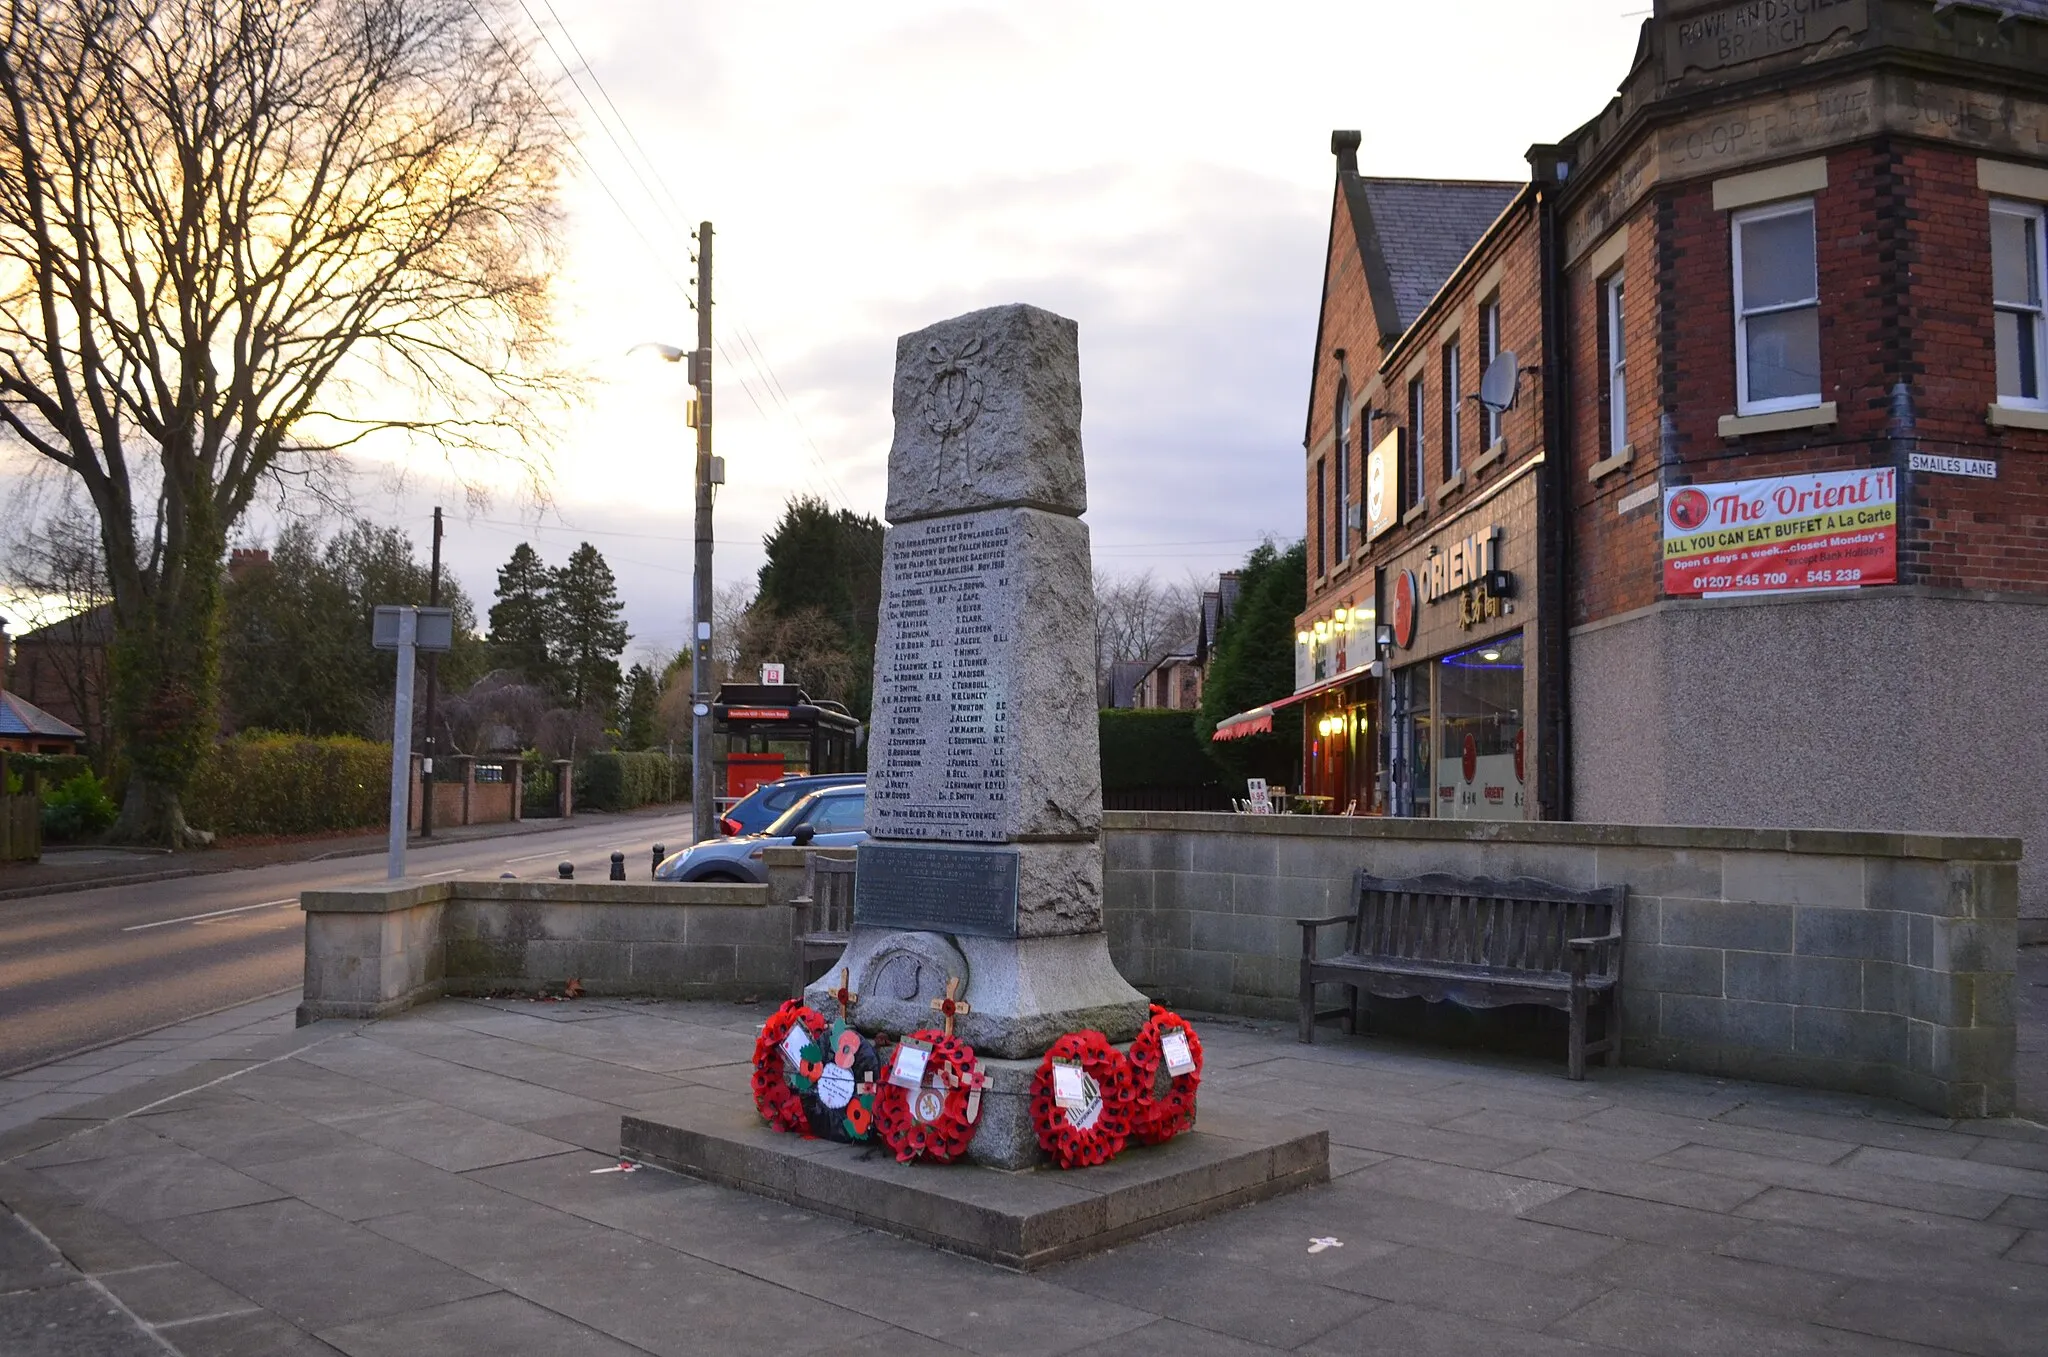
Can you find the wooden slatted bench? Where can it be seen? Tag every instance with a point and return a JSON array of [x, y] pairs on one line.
[[1480, 943]]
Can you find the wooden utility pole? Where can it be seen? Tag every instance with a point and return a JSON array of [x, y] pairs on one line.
[[702, 789]]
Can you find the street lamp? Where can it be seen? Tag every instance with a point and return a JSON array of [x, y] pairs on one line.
[[709, 473]]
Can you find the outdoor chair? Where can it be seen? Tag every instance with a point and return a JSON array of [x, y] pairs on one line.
[[824, 914]]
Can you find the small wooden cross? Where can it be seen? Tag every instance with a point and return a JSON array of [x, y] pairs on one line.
[[952, 1006], [974, 1081], [844, 996]]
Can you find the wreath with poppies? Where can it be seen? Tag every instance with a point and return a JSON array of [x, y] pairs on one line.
[[835, 1082], [780, 1105], [1163, 1102], [936, 1119], [1095, 1131]]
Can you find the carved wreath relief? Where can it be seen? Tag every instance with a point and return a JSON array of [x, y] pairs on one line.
[[952, 400]]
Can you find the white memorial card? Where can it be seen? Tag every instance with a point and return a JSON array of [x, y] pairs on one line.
[[1069, 1086], [793, 1045], [1173, 1044], [907, 1069]]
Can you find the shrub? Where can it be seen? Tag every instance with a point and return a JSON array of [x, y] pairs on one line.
[[1146, 748], [77, 807], [619, 780], [258, 783]]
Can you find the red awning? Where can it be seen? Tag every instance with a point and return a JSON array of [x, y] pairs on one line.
[[1313, 690], [1257, 721]]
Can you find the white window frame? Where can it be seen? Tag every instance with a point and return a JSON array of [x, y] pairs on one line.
[[1743, 404], [1489, 349], [2036, 213], [1613, 318], [1451, 365]]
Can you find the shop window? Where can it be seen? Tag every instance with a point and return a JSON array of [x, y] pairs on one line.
[[1410, 741], [1338, 527], [2017, 266], [1479, 765], [1453, 452], [1614, 352], [1418, 443], [1777, 309], [1489, 349]]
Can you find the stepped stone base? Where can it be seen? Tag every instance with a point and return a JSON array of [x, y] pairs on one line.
[[1022, 1220]]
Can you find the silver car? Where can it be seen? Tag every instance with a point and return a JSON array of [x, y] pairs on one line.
[[831, 818]]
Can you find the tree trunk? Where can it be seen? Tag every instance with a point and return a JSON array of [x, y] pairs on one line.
[[165, 669]]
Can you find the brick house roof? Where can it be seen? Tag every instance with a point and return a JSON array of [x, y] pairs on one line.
[[1419, 230]]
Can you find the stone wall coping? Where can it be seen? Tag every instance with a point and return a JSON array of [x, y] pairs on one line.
[[396, 897], [1835, 842], [794, 857]]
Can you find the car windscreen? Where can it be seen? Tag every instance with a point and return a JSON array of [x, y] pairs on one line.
[[804, 811], [787, 822]]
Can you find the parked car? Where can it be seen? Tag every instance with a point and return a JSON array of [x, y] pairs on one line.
[[762, 806], [831, 818]]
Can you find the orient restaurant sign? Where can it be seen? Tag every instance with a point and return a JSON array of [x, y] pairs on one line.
[[1470, 571], [1830, 530], [1382, 485]]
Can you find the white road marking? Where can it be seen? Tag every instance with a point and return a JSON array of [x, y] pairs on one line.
[[530, 857], [210, 914], [451, 871]]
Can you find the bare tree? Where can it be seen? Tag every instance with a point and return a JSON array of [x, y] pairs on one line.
[[51, 564], [1137, 619], [237, 238]]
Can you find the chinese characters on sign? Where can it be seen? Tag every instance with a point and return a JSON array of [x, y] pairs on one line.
[[1831, 530]]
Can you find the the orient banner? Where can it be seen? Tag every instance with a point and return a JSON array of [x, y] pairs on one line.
[[1829, 530]]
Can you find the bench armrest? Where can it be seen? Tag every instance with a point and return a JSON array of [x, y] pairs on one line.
[[1310, 928], [1582, 951], [1325, 923]]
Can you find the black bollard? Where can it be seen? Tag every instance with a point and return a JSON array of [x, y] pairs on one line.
[[566, 870], [660, 852], [618, 866]]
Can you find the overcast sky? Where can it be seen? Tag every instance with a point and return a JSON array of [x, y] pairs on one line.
[[1159, 172]]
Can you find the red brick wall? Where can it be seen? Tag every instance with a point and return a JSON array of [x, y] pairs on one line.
[[1904, 262]]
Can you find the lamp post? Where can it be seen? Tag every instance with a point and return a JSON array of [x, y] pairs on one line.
[[710, 472]]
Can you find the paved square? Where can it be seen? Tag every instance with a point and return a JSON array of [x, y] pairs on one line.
[[427, 1183]]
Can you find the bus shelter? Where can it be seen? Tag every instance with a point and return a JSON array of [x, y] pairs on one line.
[[765, 731]]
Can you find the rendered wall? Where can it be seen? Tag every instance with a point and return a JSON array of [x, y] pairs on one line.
[[1865, 711], [1875, 963]]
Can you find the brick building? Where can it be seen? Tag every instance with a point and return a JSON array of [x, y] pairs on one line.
[[1751, 526]]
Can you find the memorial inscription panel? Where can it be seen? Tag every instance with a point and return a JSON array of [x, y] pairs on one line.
[[941, 734], [937, 890]]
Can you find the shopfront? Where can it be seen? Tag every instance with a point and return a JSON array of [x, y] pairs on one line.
[[1335, 680], [1457, 738]]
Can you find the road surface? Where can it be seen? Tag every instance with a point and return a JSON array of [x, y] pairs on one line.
[[82, 969]]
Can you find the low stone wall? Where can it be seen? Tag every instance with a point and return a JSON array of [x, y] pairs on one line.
[[1869, 962], [376, 950]]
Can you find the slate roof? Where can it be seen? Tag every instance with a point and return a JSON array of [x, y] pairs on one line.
[[19, 716], [1420, 230]]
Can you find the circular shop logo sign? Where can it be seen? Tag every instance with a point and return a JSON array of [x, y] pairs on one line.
[[1404, 609], [1688, 509]]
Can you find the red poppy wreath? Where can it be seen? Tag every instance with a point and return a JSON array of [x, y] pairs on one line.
[[1164, 1102], [1096, 1121], [779, 1104], [936, 1119]]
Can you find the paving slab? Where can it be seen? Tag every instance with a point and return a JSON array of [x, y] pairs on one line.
[[1477, 1205]]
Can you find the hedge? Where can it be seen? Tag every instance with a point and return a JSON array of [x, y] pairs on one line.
[[257, 783], [1153, 748], [621, 780]]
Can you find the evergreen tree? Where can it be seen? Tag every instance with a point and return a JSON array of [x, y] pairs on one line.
[[523, 620], [295, 637], [637, 717], [590, 631], [828, 563], [1254, 665]]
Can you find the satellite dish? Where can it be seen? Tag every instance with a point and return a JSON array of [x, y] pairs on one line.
[[1502, 382]]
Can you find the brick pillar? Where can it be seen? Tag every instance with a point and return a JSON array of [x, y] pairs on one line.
[[565, 787], [517, 767], [467, 763]]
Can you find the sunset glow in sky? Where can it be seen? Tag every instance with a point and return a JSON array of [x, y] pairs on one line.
[[1160, 173]]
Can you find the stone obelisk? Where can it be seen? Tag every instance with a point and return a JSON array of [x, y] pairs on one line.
[[984, 781]]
